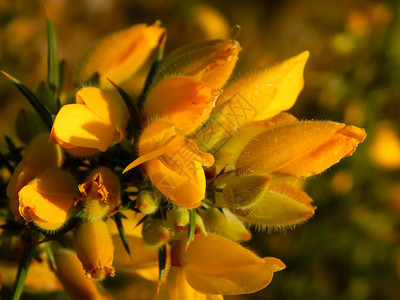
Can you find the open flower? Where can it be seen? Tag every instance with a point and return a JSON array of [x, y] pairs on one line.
[[173, 163], [119, 55], [100, 193], [99, 119], [213, 265]]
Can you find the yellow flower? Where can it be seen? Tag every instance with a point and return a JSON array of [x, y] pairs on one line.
[[214, 265], [69, 271], [183, 101], [96, 121], [94, 248], [38, 157], [100, 193], [210, 62], [299, 149], [119, 55], [47, 199], [173, 163]]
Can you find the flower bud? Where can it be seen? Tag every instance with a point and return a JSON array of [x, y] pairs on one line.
[[94, 248], [100, 193], [47, 199], [210, 62], [119, 55], [155, 233], [243, 191], [147, 202], [279, 204], [225, 224], [99, 118], [299, 149]]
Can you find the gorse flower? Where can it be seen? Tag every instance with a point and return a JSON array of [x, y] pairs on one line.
[[172, 181]]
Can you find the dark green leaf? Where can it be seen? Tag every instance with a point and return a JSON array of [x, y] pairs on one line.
[[162, 261], [121, 230], [192, 224], [53, 75], [43, 112]]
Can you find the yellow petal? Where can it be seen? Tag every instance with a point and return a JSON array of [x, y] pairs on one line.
[[300, 149], [186, 189], [107, 105], [87, 130], [182, 101], [177, 288], [215, 265], [279, 205], [72, 276], [264, 94], [94, 248], [47, 199], [210, 62], [119, 55], [229, 153]]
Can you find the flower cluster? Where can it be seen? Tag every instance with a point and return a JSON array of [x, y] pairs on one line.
[[183, 171]]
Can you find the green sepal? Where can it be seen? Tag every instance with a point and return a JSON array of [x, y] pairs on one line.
[[53, 71], [162, 262], [192, 224], [117, 218], [23, 267], [153, 71], [42, 110], [133, 127]]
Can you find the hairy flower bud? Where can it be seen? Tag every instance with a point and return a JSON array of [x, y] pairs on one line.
[[210, 62], [94, 248]]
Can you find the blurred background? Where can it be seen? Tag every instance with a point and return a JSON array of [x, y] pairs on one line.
[[350, 249]]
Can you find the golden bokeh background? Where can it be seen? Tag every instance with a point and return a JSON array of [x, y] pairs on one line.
[[350, 249]]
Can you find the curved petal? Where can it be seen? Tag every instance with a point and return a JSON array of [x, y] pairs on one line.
[[182, 101], [215, 265], [107, 105], [264, 94], [77, 125], [47, 199], [182, 189]]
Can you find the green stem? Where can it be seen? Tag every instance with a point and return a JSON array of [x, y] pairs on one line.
[[23, 267]]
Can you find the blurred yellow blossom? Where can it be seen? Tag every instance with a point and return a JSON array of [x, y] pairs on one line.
[[119, 55]]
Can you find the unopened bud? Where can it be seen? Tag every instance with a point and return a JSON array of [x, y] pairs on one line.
[[155, 233], [148, 202], [210, 62], [94, 247]]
